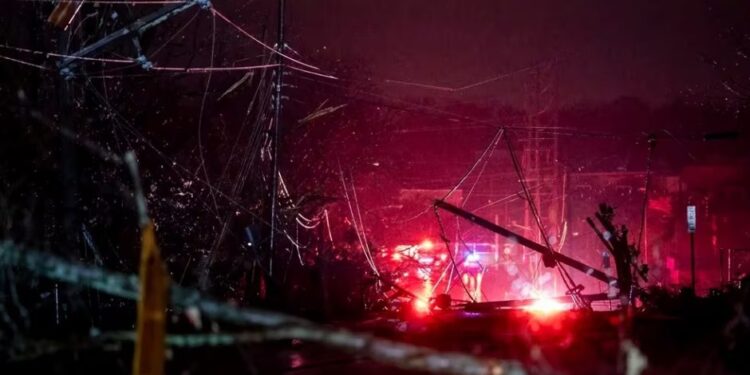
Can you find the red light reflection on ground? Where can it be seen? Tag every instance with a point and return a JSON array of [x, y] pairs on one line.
[[545, 307]]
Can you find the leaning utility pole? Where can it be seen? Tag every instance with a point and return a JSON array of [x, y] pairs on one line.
[[276, 133]]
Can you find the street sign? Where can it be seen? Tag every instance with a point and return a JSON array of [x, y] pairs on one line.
[[691, 218]]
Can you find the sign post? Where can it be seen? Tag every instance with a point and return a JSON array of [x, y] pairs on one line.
[[691, 219]]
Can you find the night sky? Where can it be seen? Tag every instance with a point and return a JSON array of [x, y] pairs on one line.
[[605, 49]]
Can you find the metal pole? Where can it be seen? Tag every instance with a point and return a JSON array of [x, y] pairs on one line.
[[691, 222], [692, 261], [730, 254], [277, 133], [721, 266]]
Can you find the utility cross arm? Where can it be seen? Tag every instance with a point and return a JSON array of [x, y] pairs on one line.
[[138, 27], [597, 274]]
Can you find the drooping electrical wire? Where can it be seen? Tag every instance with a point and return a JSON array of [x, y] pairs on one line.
[[315, 219], [328, 225], [365, 251], [258, 41], [506, 198], [484, 166], [174, 35], [361, 223], [22, 62], [297, 250], [468, 86], [490, 146], [307, 225], [312, 73]]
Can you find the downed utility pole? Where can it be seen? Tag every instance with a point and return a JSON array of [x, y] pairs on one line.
[[545, 251]]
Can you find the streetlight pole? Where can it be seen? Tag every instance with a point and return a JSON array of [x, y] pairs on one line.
[[691, 221], [276, 134], [692, 261]]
